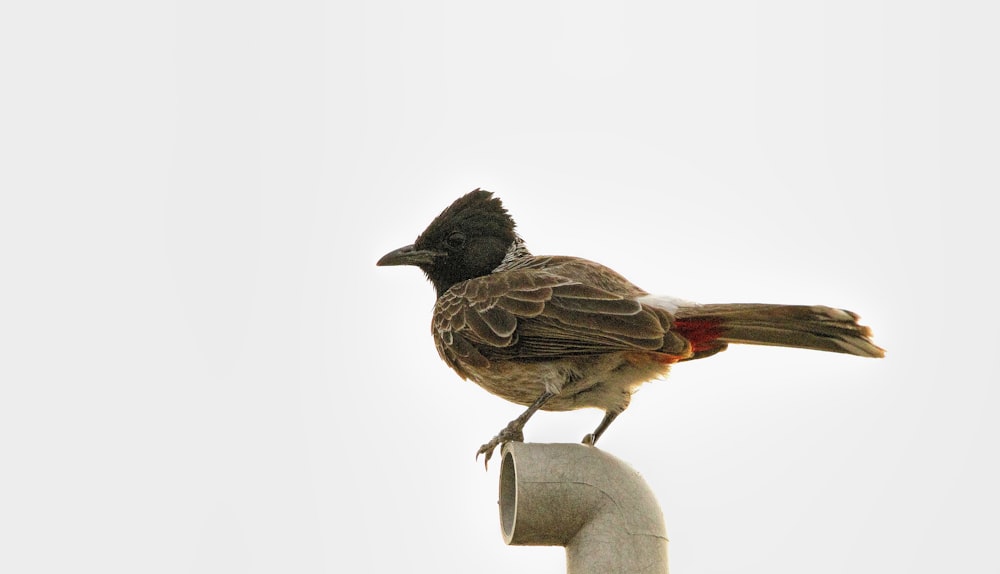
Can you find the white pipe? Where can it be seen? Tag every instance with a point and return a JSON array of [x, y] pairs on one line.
[[583, 498]]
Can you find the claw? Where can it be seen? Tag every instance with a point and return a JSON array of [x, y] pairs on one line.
[[509, 434], [512, 432], [487, 450]]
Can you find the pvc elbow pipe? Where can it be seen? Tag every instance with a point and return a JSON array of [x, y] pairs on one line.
[[577, 496]]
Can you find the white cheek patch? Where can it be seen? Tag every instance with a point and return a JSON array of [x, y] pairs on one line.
[[665, 302]]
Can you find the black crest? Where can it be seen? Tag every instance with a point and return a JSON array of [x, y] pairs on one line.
[[469, 239]]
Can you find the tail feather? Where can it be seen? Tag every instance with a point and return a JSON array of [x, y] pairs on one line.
[[711, 327]]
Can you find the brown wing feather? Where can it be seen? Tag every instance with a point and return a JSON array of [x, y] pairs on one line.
[[548, 308]]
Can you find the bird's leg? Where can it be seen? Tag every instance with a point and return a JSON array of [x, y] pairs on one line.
[[605, 423], [513, 431]]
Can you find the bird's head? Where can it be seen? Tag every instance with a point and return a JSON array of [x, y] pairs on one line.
[[469, 239]]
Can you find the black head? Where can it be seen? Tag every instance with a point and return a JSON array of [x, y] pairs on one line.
[[469, 239]]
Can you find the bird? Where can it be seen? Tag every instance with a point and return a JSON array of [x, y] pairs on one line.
[[560, 333]]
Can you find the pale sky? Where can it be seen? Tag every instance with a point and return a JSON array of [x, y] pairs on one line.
[[203, 370]]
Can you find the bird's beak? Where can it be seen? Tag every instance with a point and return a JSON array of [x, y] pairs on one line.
[[408, 255]]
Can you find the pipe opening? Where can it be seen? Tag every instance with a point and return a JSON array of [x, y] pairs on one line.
[[508, 494]]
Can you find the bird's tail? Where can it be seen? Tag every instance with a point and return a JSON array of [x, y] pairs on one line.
[[711, 327]]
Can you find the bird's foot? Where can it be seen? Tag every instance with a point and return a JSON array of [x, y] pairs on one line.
[[511, 433], [609, 416]]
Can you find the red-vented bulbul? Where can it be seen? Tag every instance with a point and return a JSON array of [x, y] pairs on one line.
[[561, 333]]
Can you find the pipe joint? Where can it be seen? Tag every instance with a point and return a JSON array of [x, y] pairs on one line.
[[582, 498]]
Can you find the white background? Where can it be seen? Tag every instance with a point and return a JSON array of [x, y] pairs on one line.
[[202, 370]]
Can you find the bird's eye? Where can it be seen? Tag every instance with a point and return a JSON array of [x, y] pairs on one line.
[[456, 240]]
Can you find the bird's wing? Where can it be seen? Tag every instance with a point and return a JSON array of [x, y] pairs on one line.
[[545, 309]]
